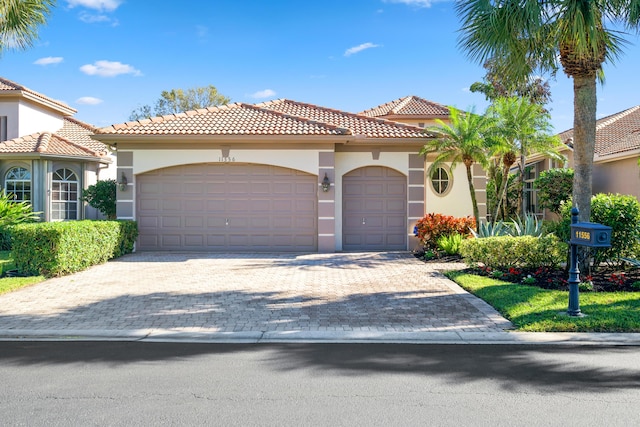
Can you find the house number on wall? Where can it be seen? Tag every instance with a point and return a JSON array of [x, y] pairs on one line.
[[226, 159]]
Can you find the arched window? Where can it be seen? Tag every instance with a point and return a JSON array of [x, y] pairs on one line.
[[17, 181], [64, 195], [440, 181]]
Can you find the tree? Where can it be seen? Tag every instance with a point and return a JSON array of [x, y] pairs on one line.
[[19, 22], [554, 187], [495, 85], [529, 35], [520, 128], [178, 100], [462, 141], [102, 196]]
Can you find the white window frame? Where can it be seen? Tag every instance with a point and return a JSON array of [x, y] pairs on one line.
[[65, 195], [14, 183]]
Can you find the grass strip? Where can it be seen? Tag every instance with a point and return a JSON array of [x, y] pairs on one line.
[[534, 309]]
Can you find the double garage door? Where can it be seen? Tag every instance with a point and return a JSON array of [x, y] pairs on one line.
[[227, 207]]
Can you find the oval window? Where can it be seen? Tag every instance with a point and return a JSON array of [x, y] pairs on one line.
[[440, 180]]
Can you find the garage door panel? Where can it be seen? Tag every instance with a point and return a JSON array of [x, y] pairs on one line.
[[169, 205], [171, 240], [377, 195], [194, 222], [170, 222]]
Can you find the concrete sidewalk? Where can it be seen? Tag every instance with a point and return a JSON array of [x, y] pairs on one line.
[[198, 297]]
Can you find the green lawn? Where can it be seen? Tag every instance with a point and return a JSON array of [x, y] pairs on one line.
[[531, 308], [8, 284]]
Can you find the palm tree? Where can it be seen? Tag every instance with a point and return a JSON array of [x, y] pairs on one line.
[[531, 34], [19, 21], [462, 141], [521, 128]]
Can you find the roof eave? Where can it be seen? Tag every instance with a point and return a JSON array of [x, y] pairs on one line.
[[616, 156], [65, 110], [114, 139], [32, 155]]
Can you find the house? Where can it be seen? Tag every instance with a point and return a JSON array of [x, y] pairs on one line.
[[617, 151], [276, 176], [46, 156], [615, 161]]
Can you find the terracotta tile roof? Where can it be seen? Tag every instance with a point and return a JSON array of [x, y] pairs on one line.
[[280, 117], [232, 119], [358, 124], [80, 132], [615, 134], [48, 144], [9, 87], [409, 106]]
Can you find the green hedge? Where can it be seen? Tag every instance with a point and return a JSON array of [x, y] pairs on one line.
[[502, 252], [59, 248]]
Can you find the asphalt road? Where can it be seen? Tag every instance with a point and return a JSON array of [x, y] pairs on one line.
[[107, 383]]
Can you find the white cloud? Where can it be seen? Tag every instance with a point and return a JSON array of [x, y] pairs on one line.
[[106, 5], [359, 48], [416, 3], [49, 60], [109, 69], [267, 93], [88, 100], [91, 18]]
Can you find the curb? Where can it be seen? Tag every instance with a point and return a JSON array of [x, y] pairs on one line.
[[327, 337]]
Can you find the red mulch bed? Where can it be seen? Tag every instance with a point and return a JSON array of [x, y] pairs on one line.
[[604, 279]]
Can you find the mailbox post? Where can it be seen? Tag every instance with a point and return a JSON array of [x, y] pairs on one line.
[[588, 234]]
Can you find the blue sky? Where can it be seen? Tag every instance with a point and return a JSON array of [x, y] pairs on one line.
[[107, 57]]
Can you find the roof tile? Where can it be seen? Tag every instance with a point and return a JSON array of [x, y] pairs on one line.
[[615, 134], [279, 117], [409, 106]]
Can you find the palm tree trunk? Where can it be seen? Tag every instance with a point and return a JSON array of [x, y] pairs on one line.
[[584, 142], [472, 191], [502, 191], [523, 199]]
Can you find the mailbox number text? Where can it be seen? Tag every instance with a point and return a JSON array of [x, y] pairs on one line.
[[583, 235], [226, 159]]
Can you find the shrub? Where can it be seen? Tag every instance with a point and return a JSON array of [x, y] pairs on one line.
[[12, 213], [487, 229], [622, 214], [102, 196], [503, 252], [554, 187], [434, 225], [529, 227], [450, 244], [55, 249]]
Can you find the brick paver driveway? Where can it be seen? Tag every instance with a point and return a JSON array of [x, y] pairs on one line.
[[389, 291]]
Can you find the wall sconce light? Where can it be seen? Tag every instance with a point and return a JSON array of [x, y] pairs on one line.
[[123, 182], [325, 183]]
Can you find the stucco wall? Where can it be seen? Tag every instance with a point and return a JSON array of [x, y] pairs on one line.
[[303, 160], [622, 176], [10, 111], [457, 200], [33, 119]]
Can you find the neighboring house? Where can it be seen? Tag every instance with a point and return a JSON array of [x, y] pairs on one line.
[[615, 161], [447, 190], [275, 176], [46, 156]]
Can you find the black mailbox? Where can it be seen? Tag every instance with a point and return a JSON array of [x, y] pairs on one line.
[[590, 234]]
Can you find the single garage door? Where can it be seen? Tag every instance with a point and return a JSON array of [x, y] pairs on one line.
[[227, 207], [374, 209]]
